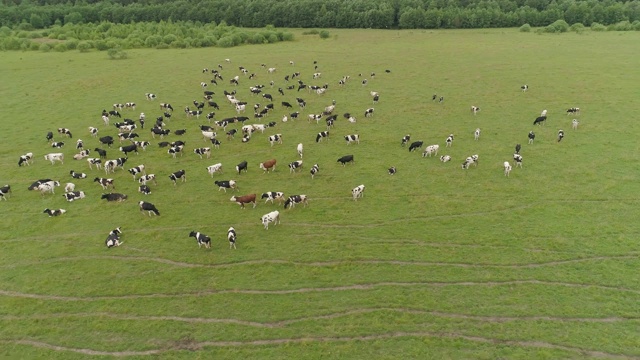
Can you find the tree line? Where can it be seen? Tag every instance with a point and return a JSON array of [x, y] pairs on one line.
[[378, 14]]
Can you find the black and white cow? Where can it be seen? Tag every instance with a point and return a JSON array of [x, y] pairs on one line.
[[93, 131], [276, 138], [539, 120], [416, 145], [518, 159], [175, 150], [4, 192], [73, 195], [314, 170], [242, 166], [295, 199], [273, 195], [57, 144], [144, 189], [295, 165], [180, 174], [345, 159], [524, 88], [144, 179], [573, 111], [560, 135], [431, 150], [148, 207], [203, 151], [392, 170], [321, 135], [231, 236], [150, 96], [226, 184], [272, 217], [76, 175], [357, 192], [25, 159], [405, 140], [101, 152], [449, 140], [49, 136], [113, 239], [137, 171], [369, 112], [65, 131], [214, 169], [105, 183], [201, 238], [161, 132], [445, 158], [352, 138], [531, 136], [57, 212], [94, 161], [37, 183]]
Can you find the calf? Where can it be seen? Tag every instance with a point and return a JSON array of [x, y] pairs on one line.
[[474, 109], [476, 134], [272, 217], [101, 152], [94, 161], [203, 151], [295, 165], [314, 170], [53, 157], [148, 207], [246, 199], [105, 183], [507, 168], [524, 88], [574, 124], [73, 195], [93, 131], [368, 112], [269, 165], [560, 135], [144, 189], [431, 150], [392, 170], [175, 150], [531, 137], [113, 239], [357, 192], [231, 236], [445, 158], [49, 136], [321, 135], [57, 145], [518, 147], [242, 166], [473, 159], [57, 212], [518, 159], [5, 191], [226, 184], [272, 195], [25, 159], [76, 175], [180, 174], [295, 199], [129, 148], [345, 159], [415, 145], [201, 238], [449, 140], [137, 171], [277, 138], [352, 138], [405, 140]]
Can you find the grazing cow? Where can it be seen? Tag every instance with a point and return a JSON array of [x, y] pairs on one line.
[[53, 157], [148, 207], [314, 170], [48, 186], [76, 175], [560, 135], [174, 150], [166, 106], [539, 120], [203, 151], [415, 145], [449, 140], [73, 195], [113, 239], [524, 88], [226, 184], [518, 159], [231, 134], [93, 131], [137, 171], [180, 174], [150, 96], [295, 165], [441, 100], [531, 136], [294, 115], [118, 106], [144, 189], [231, 236], [346, 159], [94, 161], [241, 166], [142, 144], [130, 105], [507, 168], [357, 192], [4, 192], [286, 104], [158, 131], [431, 150], [101, 152], [201, 238], [273, 195], [106, 140], [269, 165], [144, 179], [272, 217], [392, 170], [37, 183], [474, 109], [518, 147], [573, 110], [105, 119], [105, 183], [114, 113], [368, 112], [57, 212], [129, 148], [277, 138], [25, 159], [57, 144], [473, 159], [476, 134], [295, 199], [352, 138], [180, 131], [246, 199], [321, 135], [69, 187], [65, 131], [574, 124], [405, 140], [445, 158], [49, 136]]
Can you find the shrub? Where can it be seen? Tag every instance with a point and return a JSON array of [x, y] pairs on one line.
[[25, 26], [116, 53], [287, 36], [11, 43], [72, 44], [636, 25], [62, 37], [35, 35], [22, 34], [162, 46], [5, 31], [45, 47], [273, 38], [558, 26], [622, 26], [225, 41], [101, 45], [525, 28], [168, 39], [597, 27], [324, 34], [34, 46], [577, 27], [60, 47], [84, 46], [311, 32]]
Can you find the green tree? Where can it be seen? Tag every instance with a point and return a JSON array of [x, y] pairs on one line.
[[36, 21], [73, 18]]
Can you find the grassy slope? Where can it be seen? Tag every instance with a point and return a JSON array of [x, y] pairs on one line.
[[433, 262]]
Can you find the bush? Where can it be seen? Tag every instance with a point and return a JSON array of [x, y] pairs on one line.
[[621, 26], [525, 28], [324, 34], [597, 27], [116, 53], [22, 34], [45, 47], [5, 31], [60, 47], [25, 26], [34, 46], [84, 46], [225, 41], [558, 26], [101, 45], [311, 32], [11, 43], [162, 46], [577, 27], [287, 36], [636, 25], [35, 35], [72, 44]]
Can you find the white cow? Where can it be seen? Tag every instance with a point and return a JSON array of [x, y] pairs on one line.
[[272, 217], [214, 169], [357, 192], [431, 150], [53, 157], [300, 148], [476, 134], [507, 168]]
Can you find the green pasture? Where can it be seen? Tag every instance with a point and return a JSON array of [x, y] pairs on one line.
[[435, 262]]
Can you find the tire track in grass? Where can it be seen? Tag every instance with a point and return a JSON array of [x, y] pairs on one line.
[[367, 286], [195, 346], [321, 263]]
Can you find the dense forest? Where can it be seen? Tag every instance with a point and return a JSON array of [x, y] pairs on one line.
[[379, 14]]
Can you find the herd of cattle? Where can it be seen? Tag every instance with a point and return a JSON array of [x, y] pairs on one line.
[[126, 132]]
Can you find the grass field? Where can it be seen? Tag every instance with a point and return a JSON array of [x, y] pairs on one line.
[[435, 262]]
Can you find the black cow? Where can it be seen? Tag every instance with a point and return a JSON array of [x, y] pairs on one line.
[[202, 239], [241, 166], [106, 140], [345, 159], [180, 174], [129, 148], [321, 135], [114, 197], [539, 120], [405, 140], [226, 184], [180, 132], [415, 145], [148, 207]]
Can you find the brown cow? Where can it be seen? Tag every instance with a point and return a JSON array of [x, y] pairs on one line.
[[241, 200], [269, 165]]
